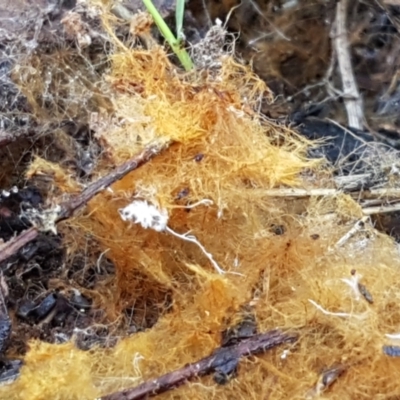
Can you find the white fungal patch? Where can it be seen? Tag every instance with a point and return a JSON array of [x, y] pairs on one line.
[[146, 214], [149, 216]]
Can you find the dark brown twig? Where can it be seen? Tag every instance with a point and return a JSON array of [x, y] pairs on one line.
[[68, 208], [13, 245], [216, 361]]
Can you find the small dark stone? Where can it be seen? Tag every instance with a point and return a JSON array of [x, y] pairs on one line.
[[43, 309], [37, 310], [391, 351], [183, 193], [278, 229], [62, 311], [26, 308], [365, 292], [199, 157], [5, 330], [9, 370], [330, 375], [31, 195], [28, 251]]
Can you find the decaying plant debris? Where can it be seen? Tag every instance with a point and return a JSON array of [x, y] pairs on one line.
[[154, 222], [223, 362]]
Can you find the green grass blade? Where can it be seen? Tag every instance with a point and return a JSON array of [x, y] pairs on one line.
[[179, 13], [181, 53]]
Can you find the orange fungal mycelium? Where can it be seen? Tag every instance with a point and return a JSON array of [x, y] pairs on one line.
[[283, 259]]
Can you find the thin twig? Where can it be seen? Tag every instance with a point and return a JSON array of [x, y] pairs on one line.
[[297, 192], [351, 183], [383, 193], [358, 226], [13, 245], [219, 359], [393, 193], [381, 209], [68, 208], [351, 95]]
